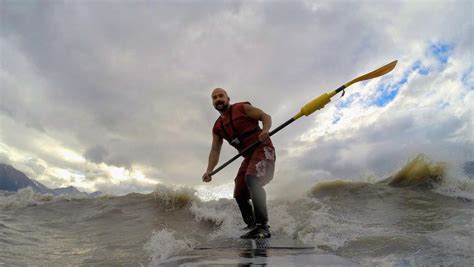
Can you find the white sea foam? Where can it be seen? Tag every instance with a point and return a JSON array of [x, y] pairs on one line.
[[321, 229], [456, 184], [164, 244], [23, 198], [315, 224], [316, 227], [207, 192], [281, 220], [224, 213]]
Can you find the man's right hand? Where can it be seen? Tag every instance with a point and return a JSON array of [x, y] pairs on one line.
[[206, 177]]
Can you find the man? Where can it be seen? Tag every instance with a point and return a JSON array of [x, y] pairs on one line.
[[238, 124]]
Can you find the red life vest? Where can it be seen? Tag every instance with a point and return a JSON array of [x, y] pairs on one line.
[[237, 128]]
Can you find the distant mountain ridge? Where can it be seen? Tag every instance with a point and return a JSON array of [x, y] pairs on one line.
[[13, 180]]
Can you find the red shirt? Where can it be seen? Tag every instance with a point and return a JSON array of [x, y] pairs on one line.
[[244, 128]]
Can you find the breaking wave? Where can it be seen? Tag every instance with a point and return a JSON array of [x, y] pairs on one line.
[[28, 197], [419, 172]]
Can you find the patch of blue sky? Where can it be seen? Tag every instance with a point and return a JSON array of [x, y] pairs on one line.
[[441, 51], [468, 78], [347, 100], [387, 91], [422, 70], [385, 97]]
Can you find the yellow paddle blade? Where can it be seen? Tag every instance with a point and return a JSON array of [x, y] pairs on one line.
[[376, 73], [320, 101]]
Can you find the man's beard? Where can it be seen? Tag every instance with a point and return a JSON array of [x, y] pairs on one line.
[[223, 106]]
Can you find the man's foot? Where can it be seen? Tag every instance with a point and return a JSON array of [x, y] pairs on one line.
[[260, 232], [249, 227]]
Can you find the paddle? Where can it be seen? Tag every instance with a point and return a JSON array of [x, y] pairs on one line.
[[316, 104]]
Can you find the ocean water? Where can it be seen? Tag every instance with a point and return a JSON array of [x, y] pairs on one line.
[[421, 216]]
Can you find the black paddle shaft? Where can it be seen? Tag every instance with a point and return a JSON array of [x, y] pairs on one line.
[[245, 150]]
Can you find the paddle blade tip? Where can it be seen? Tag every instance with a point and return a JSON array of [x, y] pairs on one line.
[[392, 65]]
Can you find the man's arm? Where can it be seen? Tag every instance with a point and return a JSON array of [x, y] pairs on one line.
[[213, 156], [258, 114]]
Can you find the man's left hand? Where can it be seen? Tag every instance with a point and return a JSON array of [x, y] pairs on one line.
[[264, 137]]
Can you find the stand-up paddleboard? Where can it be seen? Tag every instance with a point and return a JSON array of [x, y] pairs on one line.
[[275, 242], [279, 250]]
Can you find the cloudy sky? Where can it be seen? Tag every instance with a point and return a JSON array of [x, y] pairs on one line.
[[115, 95]]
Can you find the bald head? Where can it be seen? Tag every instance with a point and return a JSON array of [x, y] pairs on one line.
[[220, 99], [218, 91]]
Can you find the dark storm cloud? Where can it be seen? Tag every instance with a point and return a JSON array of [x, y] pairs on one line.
[[96, 154]]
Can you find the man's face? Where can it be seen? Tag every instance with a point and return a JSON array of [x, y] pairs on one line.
[[220, 100]]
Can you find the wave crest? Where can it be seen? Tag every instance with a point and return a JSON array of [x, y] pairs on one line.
[[23, 198], [175, 197], [419, 172]]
